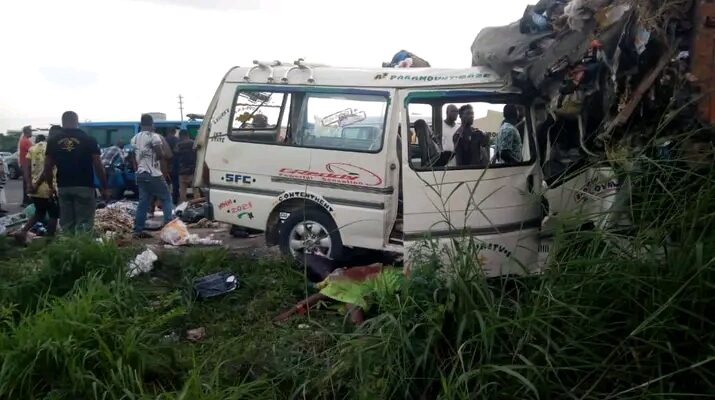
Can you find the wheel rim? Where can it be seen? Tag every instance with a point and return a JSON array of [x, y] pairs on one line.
[[309, 237]]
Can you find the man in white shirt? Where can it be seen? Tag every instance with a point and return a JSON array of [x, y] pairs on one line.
[[151, 182], [449, 127]]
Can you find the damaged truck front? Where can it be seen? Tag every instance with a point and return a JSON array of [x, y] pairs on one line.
[[617, 89]]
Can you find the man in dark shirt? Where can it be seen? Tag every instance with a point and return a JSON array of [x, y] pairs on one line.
[[471, 146], [185, 156], [77, 158]]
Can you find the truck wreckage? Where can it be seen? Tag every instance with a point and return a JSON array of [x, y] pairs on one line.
[[623, 74]]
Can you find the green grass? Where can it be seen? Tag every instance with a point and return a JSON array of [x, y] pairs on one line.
[[619, 315]]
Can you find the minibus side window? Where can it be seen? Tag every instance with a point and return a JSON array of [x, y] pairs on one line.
[[442, 145], [354, 122], [259, 117], [335, 121]]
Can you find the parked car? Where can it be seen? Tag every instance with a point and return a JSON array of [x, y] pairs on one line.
[[13, 166], [5, 154]]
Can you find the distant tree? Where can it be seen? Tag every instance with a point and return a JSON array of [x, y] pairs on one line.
[[8, 142]]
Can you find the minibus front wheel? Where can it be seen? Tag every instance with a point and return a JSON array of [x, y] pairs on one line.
[[310, 231]]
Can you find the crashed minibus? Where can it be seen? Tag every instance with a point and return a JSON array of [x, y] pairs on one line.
[[313, 156]]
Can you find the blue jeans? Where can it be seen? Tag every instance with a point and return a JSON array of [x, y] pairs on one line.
[[150, 187]]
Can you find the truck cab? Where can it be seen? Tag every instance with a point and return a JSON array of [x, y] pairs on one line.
[[313, 156]]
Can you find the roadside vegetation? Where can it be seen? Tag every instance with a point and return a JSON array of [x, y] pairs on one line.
[[619, 315]]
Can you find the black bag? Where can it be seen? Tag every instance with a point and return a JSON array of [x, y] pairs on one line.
[[215, 284]]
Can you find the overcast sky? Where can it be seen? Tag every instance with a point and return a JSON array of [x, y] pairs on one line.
[[114, 59]]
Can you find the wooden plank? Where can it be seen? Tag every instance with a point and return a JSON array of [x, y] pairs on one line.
[[703, 56]]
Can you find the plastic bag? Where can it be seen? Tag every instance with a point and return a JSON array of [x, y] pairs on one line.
[[175, 233], [144, 262], [29, 211], [206, 241]]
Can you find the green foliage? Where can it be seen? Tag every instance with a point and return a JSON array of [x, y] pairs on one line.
[[620, 314], [92, 342], [9, 142], [53, 270]]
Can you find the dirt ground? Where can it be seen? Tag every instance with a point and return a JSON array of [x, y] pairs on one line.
[[253, 246]]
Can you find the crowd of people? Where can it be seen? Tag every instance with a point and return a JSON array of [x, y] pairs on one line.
[[464, 145], [59, 174]]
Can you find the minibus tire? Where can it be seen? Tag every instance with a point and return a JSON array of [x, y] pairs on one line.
[[300, 216]]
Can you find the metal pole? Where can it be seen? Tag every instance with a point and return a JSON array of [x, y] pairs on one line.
[[181, 107]]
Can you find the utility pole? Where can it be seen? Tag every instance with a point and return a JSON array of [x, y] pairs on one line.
[[181, 106]]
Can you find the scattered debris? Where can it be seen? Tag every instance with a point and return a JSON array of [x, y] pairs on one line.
[[303, 326], [144, 262], [152, 225], [113, 219], [180, 209], [127, 206], [194, 212], [29, 210], [209, 240], [39, 229], [215, 284], [176, 233], [198, 200], [196, 335], [205, 223], [11, 221], [239, 232]]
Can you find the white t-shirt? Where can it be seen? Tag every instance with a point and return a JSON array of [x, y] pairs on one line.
[[147, 159], [447, 135]]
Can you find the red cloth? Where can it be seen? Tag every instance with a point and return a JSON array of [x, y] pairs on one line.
[[23, 148]]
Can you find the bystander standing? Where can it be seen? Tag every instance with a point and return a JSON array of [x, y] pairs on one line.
[[44, 197], [23, 146], [152, 179], [77, 158], [185, 156]]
